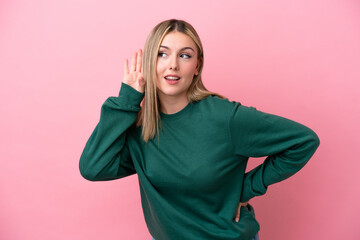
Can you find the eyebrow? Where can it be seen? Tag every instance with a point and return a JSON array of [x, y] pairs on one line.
[[184, 48]]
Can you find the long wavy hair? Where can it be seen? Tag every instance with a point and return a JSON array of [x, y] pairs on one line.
[[149, 116]]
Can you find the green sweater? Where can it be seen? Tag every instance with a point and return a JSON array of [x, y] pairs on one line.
[[193, 176]]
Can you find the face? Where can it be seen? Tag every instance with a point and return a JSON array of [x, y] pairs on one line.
[[177, 64]]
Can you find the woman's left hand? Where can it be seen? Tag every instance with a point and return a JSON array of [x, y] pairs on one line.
[[241, 204]]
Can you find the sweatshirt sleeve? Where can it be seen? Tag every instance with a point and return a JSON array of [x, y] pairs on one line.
[[287, 146], [106, 155]]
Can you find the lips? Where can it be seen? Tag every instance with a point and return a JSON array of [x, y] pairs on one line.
[[172, 77]]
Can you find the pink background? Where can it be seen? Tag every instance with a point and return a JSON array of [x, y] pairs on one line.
[[59, 61]]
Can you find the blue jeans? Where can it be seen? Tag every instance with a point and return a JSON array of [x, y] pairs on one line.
[[256, 237]]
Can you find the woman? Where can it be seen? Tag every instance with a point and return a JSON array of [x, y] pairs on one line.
[[189, 146]]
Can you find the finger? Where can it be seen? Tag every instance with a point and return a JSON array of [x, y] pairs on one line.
[[126, 66], [238, 213], [138, 61], [133, 62]]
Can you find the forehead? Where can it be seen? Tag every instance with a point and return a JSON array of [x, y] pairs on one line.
[[177, 40]]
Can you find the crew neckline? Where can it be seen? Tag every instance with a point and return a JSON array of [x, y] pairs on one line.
[[165, 116]]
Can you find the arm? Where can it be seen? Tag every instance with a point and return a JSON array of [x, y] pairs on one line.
[[106, 155], [288, 146]]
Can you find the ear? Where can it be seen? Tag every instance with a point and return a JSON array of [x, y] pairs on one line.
[[197, 67]]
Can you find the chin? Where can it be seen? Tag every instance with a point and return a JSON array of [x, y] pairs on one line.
[[173, 90], [170, 92]]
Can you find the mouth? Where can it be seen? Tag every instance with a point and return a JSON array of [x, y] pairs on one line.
[[172, 77]]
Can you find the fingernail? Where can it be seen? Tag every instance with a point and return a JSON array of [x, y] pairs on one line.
[[237, 219]]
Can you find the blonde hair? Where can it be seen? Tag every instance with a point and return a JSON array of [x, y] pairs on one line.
[[149, 115]]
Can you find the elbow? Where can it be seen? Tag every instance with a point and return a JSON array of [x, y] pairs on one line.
[[86, 171], [312, 143], [87, 175], [315, 140]]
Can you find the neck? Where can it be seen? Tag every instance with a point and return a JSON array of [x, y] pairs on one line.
[[172, 104]]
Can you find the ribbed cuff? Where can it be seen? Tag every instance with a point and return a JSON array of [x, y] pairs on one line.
[[253, 184], [130, 95]]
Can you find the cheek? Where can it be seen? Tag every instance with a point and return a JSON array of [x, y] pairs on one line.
[[191, 69], [159, 72], [160, 67]]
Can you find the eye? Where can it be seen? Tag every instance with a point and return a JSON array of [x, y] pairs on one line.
[[161, 54], [185, 55]]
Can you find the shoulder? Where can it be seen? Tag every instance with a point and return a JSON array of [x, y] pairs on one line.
[[218, 104], [230, 110], [214, 107]]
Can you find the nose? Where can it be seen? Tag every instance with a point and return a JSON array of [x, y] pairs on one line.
[[173, 65]]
